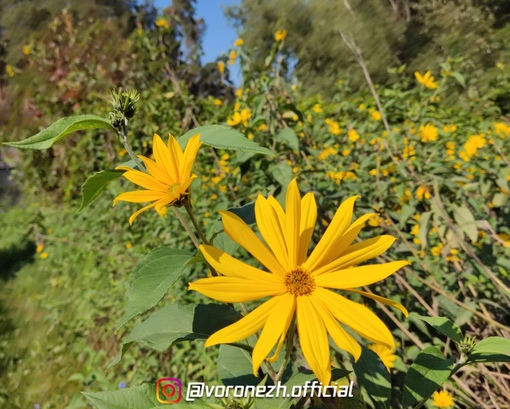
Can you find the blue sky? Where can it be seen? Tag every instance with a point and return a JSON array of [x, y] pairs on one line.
[[219, 35]]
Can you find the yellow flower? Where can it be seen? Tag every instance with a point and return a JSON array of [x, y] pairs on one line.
[[442, 399], [436, 251], [415, 230], [386, 355], [239, 93], [168, 178], [327, 152], [221, 67], [362, 107], [474, 143], [217, 102], [376, 115], [426, 80], [375, 221], [505, 238], [449, 128], [299, 285], [162, 23], [239, 42], [352, 135], [317, 108], [39, 248], [502, 129], [428, 133], [262, 127], [26, 50], [234, 119], [44, 255], [232, 58], [9, 70], [346, 152], [245, 115], [422, 192], [280, 35], [129, 246], [334, 128]]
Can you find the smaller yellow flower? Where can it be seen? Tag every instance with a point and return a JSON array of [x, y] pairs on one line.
[[376, 115], [129, 246], [428, 133], [502, 129], [44, 255], [505, 238], [239, 93], [450, 128], [436, 250], [234, 119], [293, 87], [239, 42], [422, 192], [442, 399], [221, 67], [500, 65], [9, 70], [262, 127], [362, 107], [245, 115], [427, 80], [26, 50], [232, 58], [374, 222], [162, 23], [346, 152], [317, 108], [386, 354], [353, 135], [39, 248], [217, 102], [280, 35]]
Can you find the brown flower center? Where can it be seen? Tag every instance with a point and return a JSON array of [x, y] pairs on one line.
[[299, 282]]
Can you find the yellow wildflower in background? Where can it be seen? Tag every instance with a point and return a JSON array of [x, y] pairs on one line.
[[505, 238], [239, 93], [245, 115], [386, 355], [449, 128], [26, 50], [9, 71], [422, 192], [362, 107], [44, 255], [353, 135], [334, 128], [317, 108], [232, 58], [168, 178], [299, 285], [502, 129], [442, 399], [234, 119], [221, 67], [217, 102], [375, 115], [39, 248], [280, 35], [427, 80], [239, 42], [162, 23], [436, 250], [428, 133], [262, 127]]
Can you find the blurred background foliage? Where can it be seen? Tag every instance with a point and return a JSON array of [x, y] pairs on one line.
[[444, 155]]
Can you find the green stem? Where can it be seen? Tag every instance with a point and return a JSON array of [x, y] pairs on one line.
[[124, 140], [186, 227], [288, 350], [187, 206]]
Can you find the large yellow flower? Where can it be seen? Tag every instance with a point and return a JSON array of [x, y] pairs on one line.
[[168, 178], [300, 285]]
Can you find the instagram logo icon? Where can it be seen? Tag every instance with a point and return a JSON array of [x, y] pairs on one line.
[[168, 390]]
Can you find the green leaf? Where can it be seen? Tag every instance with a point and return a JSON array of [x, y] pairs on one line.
[[223, 137], [445, 326], [143, 396], [406, 212], [282, 172], [373, 375], [246, 212], [289, 137], [235, 366], [466, 221], [459, 77], [151, 279], [428, 372], [424, 226], [177, 322], [492, 349], [64, 126], [95, 185], [221, 240]]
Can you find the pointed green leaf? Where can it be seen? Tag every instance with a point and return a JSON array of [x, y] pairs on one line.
[[235, 366], [428, 372], [151, 279], [223, 137], [64, 126], [143, 396], [492, 349], [246, 212], [95, 185], [176, 322], [445, 326], [289, 137], [466, 221], [424, 228], [374, 377]]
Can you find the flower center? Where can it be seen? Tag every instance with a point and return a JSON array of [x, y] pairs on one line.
[[299, 282]]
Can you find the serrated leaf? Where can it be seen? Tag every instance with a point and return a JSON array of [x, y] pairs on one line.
[[492, 349], [143, 396], [466, 221], [96, 183], [235, 366], [445, 326], [428, 372], [177, 322], [289, 137], [64, 126], [374, 377], [151, 279], [223, 137]]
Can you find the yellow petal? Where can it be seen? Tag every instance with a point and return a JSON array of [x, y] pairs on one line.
[[356, 316], [275, 328], [292, 223], [269, 222], [383, 300], [307, 225], [313, 339], [339, 335], [245, 327], [156, 170], [324, 251], [144, 180], [238, 231], [190, 154], [358, 253], [234, 289], [163, 157], [176, 154], [231, 267], [358, 276], [140, 196], [138, 212]]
